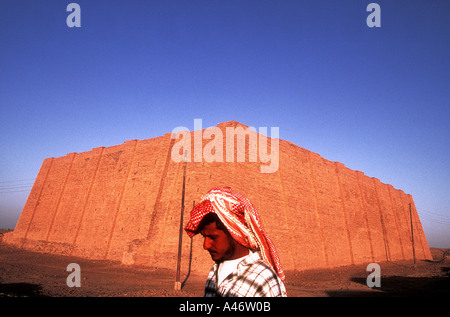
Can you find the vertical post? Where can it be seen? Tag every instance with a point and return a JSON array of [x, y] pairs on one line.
[[412, 234], [180, 237], [190, 258]]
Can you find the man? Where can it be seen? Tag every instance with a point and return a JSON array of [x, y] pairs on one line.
[[246, 262]]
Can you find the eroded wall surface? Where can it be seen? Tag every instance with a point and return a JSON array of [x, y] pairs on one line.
[[123, 203]]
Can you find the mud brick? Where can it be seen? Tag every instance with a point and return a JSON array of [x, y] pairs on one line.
[[123, 203]]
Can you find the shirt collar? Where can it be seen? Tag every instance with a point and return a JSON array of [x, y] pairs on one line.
[[251, 258]]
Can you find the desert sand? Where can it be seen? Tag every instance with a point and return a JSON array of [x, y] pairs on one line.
[[31, 274]]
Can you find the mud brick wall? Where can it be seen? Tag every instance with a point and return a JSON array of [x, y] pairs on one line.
[[123, 203]]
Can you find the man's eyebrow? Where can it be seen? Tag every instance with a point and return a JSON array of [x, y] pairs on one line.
[[209, 235]]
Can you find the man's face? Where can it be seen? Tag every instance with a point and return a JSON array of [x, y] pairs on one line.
[[219, 245]]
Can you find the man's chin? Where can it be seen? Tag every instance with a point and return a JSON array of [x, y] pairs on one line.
[[216, 257]]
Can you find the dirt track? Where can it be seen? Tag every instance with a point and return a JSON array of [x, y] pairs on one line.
[[25, 273]]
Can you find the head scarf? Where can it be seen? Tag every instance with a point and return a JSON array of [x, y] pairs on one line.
[[240, 218]]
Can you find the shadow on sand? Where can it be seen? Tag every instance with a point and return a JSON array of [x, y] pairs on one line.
[[400, 286], [21, 290]]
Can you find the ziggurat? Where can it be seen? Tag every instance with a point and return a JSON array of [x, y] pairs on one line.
[[123, 203]]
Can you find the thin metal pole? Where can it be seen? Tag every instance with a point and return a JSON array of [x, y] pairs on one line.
[[177, 286], [190, 258], [412, 234]]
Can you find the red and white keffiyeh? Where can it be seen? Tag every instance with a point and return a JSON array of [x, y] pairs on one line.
[[240, 218]]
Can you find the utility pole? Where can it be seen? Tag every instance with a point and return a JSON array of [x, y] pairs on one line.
[[177, 286], [412, 234]]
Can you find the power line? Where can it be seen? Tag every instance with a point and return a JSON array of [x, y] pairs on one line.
[[15, 191], [15, 187], [437, 221], [435, 213], [434, 217], [18, 181]]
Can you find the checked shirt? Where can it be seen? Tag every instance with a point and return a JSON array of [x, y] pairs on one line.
[[253, 278]]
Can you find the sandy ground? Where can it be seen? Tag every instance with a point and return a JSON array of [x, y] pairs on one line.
[[26, 273]]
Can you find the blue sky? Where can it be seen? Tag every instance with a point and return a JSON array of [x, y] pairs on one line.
[[375, 99]]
